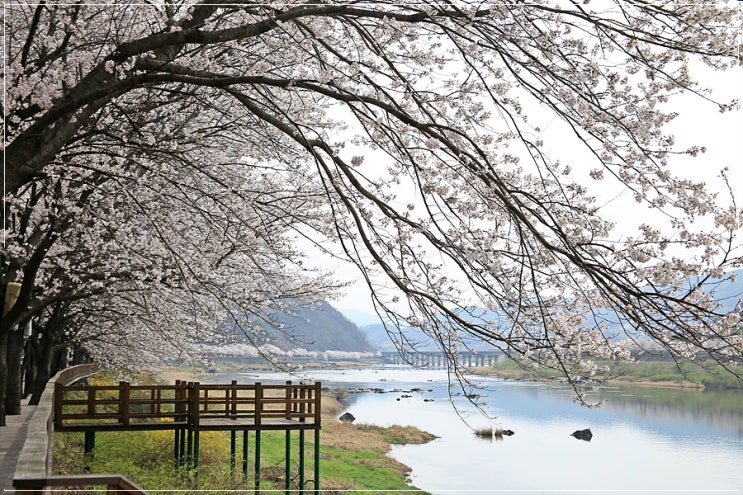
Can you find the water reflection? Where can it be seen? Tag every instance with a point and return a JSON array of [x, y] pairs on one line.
[[718, 408]]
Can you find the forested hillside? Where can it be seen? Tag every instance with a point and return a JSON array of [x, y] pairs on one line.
[[316, 327]]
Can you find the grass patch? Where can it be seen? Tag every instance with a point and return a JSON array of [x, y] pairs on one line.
[[486, 432], [661, 372], [708, 374]]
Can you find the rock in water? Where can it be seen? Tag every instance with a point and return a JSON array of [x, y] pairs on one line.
[[583, 434], [347, 418]]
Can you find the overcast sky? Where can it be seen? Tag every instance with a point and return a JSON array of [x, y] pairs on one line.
[[699, 122]]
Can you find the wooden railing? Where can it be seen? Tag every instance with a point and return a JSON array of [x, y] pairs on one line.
[[186, 404], [115, 484], [256, 403], [121, 404]]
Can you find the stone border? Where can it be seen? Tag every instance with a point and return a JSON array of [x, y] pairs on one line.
[[35, 459]]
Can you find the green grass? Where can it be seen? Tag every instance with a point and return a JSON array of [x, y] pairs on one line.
[[146, 458], [708, 374]]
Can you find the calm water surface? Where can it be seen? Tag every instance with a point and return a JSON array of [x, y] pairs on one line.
[[645, 440]]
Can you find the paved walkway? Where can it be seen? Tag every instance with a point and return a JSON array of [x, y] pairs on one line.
[[12, 437]]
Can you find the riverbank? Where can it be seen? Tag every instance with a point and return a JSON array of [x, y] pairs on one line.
[[524, 375], [644, 373], [353, 456]]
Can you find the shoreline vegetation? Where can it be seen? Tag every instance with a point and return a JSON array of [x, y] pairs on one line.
[[353, 456], [642, 373]]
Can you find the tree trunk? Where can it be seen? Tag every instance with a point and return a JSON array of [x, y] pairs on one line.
[[3, 374], [43, 369], [59, 361], [13, 387], [80, 356], [30, 365]]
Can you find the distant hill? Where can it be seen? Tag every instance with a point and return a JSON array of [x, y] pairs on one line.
[[316, 327], [360, 318], [728, 293], [321, 327], [378, 338], [372, 327]]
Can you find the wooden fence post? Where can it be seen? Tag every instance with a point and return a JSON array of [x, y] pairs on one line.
[[194, 405], [91, 403], [233, 400], [288, 400], [57, 404], [302, 405], [258, 403], [124, 402], [318, 404]]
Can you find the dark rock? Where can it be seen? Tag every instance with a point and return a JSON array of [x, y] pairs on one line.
[[585, 435], [347, 417], [500, 432]]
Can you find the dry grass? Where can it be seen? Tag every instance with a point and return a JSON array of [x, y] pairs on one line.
[[486, 432], [170, 375]]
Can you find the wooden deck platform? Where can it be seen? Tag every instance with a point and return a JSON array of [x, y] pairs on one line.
[[188, 408]]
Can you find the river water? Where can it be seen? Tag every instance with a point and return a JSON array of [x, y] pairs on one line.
[[645, 440]]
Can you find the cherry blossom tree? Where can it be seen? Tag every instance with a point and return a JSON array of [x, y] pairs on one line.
[[421, 127], [140, 255], [154, 254]]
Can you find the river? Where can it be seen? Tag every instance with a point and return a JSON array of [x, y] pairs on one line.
[[645, 440]]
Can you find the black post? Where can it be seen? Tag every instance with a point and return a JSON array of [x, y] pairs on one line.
[[287, 467], [177, 447], [233, 446], [245, 453]]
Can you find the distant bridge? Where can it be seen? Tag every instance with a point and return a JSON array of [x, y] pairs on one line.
[[432, 359]]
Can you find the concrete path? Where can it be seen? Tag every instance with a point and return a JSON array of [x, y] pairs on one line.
[[12, 437]]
